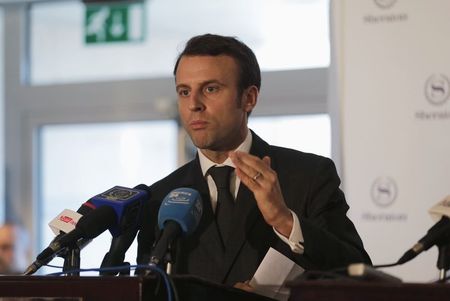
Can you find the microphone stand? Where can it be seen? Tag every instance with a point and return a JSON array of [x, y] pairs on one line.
[[443, 262], [72, 260], [168, 259]]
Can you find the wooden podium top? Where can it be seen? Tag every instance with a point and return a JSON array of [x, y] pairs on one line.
[[131, 288], [348, 290]]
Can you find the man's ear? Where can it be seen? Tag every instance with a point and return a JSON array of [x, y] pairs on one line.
[[250, 98]]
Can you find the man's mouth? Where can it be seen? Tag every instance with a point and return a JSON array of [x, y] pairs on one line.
[[198, 124]]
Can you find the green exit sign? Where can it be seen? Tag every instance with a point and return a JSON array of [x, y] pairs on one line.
[[110, 23]]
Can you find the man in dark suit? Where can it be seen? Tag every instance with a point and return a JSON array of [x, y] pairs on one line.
[[280, 198]]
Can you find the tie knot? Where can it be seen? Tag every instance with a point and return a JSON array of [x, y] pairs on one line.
[[221, 176]]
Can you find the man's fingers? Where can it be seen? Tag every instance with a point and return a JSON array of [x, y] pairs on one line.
[[252, 167], [244, 286], [267, 160]]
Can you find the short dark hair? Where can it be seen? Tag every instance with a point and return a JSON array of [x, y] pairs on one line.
[[214, 45]]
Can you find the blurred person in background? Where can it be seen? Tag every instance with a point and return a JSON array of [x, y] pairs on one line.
[[14, 249]]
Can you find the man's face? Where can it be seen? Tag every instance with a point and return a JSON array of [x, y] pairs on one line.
[[211, 109], [7, 246]]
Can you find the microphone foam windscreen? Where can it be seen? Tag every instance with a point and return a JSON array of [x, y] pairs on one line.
[[184, 206]]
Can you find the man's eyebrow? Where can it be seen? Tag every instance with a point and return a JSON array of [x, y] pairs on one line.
[[212, 81], [206, 82], [181, 86]]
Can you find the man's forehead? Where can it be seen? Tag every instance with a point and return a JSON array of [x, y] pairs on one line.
[[205, 68]]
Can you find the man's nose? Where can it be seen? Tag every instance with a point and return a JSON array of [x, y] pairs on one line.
[[196, 103]]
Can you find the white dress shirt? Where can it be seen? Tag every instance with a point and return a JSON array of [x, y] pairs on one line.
[[295, 238]]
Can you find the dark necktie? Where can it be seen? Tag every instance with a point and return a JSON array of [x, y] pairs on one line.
[[225, 201]]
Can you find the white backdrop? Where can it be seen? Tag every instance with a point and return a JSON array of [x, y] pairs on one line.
[[390, 102]]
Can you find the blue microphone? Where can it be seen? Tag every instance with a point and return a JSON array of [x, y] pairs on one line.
[[127, 204], [179, 215]]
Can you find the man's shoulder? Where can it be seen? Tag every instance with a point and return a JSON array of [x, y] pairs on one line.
[[284, 153], [294, 162], [288, 154], [289, 159]]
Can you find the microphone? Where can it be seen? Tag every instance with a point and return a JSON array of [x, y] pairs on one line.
[[117, 209], [126, 203], [439, 234], [179, 215], [63, 223], [89, 226], [67, 219], [116, 254], [120, 244]]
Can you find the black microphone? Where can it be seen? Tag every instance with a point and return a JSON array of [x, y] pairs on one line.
[[179, 215], [437, 235], [67, 219], [88, 227], [116, 255], [62, 224]]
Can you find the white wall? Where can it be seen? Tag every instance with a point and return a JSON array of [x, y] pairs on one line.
[[391, 84]]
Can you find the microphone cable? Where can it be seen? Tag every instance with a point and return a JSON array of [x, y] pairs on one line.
[[387, 265]]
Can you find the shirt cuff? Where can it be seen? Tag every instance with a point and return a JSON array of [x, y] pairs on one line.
[[295, 240]]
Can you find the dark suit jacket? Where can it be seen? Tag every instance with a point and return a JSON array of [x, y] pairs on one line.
[[310, 187]]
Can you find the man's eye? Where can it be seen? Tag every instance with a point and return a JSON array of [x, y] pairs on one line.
[[183, 92], [211, 89]]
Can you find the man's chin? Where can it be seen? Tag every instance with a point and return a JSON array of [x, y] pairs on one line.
[[200, 141], [203, 146]]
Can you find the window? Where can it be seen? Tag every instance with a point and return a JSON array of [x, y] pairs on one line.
[[307, 133]]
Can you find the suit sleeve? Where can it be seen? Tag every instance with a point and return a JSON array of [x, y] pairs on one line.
[[330, 238]]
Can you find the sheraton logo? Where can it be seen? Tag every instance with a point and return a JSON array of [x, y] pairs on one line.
[[437, 89], [384, 14], [385, 4], [437, 94], [383, 191]]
